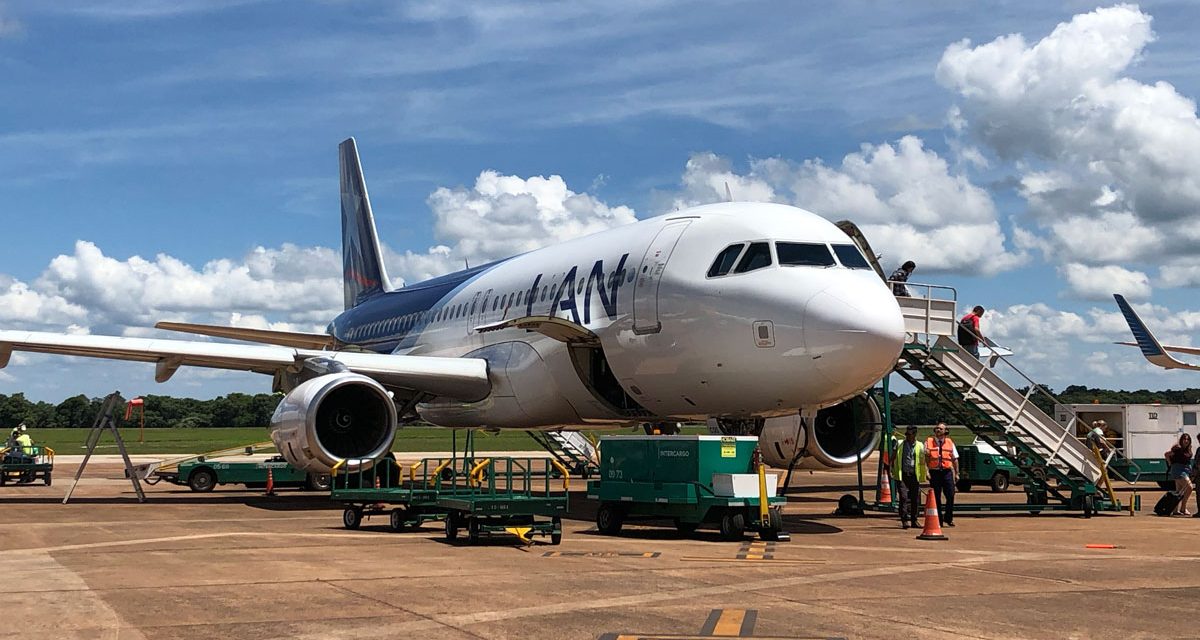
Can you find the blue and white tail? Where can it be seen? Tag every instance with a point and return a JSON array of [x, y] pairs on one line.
[[363, 273]]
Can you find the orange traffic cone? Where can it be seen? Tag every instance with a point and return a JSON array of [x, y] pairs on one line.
[[885, 488], [270, 482], [933, 524]]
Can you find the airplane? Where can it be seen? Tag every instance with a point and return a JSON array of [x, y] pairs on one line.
[[755, 317], [1153, 351]]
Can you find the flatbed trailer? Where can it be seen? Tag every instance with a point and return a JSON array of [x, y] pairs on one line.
[[203, 474], [483, 496], [691, 480], [18, 467]]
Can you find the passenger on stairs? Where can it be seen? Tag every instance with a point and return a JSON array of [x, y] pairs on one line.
[[1179, 461], [900, 277], [969, 334]]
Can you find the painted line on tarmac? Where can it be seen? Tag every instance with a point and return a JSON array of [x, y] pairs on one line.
[[205, 536], [143, 523]]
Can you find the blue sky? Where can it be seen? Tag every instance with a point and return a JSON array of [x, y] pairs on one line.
[[176, 160]]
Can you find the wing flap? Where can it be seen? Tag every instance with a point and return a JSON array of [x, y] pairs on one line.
[[459, 378]]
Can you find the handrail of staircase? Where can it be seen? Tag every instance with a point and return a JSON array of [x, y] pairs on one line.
[[1037, 386]]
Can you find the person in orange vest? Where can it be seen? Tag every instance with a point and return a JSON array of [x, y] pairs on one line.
[[941, 456], [908, 468]]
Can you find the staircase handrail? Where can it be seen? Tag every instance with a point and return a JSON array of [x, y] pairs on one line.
[[1036, 386], [928, 297]]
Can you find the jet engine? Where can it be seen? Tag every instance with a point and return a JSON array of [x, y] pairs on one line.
[[334, 417], [834, 438]]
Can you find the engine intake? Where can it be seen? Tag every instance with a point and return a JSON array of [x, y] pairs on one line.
[[837, 437], [334, 417]]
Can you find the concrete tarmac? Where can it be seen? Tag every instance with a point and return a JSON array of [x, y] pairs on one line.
[[237, 564]]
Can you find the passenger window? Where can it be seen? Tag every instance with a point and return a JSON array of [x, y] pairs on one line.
[[804, 254], [849, 256], [757, 256], [725, 260]]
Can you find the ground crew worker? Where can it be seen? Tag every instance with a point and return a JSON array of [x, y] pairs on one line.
[[908, 468], [24, 442], [12, 436], [942, 457]]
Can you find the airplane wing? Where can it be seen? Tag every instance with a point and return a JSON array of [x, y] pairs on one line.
[[266, 336], [459, 378], [1151, 349]]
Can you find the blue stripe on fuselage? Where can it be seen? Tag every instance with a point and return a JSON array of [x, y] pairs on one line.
[[374, 313]]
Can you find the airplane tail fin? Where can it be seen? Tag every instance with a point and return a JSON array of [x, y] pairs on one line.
[[1141, 333], [363, 272]]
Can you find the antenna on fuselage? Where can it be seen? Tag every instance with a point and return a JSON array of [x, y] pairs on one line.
[[467, 263], [728, 193]]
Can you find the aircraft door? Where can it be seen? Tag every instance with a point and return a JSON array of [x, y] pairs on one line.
[[649, 276]]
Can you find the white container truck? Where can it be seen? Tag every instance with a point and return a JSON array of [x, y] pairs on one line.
[[1142, 433]]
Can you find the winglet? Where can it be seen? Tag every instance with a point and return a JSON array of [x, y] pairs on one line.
[[1151, 348], [363, 272]]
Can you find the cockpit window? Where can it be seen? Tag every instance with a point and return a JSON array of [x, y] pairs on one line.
[[804, 254], [757, 256], [725, 260], [850, 256]]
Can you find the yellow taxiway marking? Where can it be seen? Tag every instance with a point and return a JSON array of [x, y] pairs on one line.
[[728, 623], [600, 554]]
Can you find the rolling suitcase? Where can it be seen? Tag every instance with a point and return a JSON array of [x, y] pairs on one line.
[[1166, 504]]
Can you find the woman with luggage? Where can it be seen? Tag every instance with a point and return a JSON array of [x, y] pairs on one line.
[[1179, 462]]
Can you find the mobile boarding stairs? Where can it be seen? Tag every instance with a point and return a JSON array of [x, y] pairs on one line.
[[1063, 472]]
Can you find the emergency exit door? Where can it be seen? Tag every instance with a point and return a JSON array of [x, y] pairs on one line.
[[649, 276]]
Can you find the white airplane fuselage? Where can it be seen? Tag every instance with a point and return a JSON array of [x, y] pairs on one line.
[[679, 342]]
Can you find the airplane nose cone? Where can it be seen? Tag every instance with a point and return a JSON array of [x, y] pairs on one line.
[[854, 336]]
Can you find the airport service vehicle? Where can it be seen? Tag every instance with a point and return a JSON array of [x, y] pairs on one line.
[[203, 474], [20, 468], [980, 464], [1141, 434], [735, 313], [691, 480], [481, 496]]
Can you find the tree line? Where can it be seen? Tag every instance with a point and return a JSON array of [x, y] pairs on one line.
[[233, 410], [918, 408], [246, 410]]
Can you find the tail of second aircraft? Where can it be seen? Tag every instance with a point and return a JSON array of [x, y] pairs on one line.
[[1154, 351], [363, 273]]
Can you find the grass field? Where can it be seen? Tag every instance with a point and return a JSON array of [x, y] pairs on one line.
[[179, 441]]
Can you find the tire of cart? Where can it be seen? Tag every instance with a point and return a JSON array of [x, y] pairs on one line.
[[398, 519], [317, 482], [473, 530], [352, 517], [733, 525], [609, 518], [556, 535], [202, 479], [999, 482], [451, 526]]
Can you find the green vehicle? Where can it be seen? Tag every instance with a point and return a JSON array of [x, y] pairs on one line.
[[691, 480], [19, 468], [203, 475], [980, 464]]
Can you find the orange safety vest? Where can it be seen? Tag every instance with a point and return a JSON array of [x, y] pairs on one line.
[[940, 457]]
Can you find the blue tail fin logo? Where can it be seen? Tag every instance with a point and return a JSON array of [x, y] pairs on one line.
[[363, 273]]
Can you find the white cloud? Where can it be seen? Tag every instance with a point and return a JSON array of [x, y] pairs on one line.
[[905, 197], [504, 215], [1110, 165], [293, 282], [1099, 283], [21, 304]]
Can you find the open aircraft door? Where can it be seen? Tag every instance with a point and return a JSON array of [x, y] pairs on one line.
[[649, 276]]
